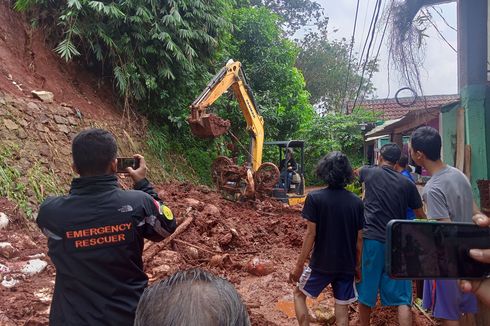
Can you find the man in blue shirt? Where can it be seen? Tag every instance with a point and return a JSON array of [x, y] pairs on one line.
[[402, 167], [387, 197]]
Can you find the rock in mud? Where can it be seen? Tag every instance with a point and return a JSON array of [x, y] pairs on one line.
[[260, 267], [225, 239], [193, 252], [211, 210], [4, 221], [34, 266], [22, 134], [32, 106], [325, 316], [63, 128], [60, 120], [44, 96], [10, 125], [7, 250], [194, 203], [4, 269], [9, 282], [162, 270], [220, 260]]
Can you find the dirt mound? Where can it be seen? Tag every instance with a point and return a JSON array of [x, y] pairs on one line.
[[26, 298], [227, 238], [27, 62], [223, 237]]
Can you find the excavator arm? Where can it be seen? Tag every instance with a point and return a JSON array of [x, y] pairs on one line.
[[206, 125]]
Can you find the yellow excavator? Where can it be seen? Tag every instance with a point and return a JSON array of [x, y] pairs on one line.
[[254, 178]]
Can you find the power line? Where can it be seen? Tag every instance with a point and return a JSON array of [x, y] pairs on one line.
[[438, 31], [382, 38], [350, 55], [370, 33], [364, 25], [443, 18], [375, 20]]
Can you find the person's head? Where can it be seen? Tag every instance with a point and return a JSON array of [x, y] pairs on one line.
[[389, 154], [402, 163], [192, 297], [94, 153], [335, 170], [425, 145]]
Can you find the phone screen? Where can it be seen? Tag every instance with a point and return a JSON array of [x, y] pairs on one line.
[[124, 162], [425, 250]]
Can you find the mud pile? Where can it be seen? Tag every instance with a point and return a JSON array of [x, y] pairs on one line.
[[253, 244], [25, 296]]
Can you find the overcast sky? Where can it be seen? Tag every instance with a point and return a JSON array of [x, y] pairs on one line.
[[439, 74]]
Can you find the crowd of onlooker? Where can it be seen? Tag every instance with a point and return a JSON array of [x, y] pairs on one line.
[[96, 235], [347, 236]]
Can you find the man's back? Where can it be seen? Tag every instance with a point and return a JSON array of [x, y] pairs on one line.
[[448, 195], [96, 243], [388, 194], [338, 215]]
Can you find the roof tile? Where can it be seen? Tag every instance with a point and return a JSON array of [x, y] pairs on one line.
[[390, 109]]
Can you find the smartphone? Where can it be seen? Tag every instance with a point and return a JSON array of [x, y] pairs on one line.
[[125, 162], [435, 250]]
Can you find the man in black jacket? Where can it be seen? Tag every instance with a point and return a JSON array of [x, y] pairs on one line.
[[95, 236]]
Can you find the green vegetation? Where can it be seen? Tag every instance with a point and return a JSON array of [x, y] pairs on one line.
[[25, 188], [337, 132], [161, 54]]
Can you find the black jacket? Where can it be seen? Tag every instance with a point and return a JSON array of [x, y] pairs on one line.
[[95, 240]]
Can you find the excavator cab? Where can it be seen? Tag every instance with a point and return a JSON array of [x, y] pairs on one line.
[[291, 186]]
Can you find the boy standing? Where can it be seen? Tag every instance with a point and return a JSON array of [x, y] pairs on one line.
[[334, 225], [448, 198]]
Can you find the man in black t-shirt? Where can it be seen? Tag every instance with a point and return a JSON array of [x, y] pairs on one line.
[[388, 194], [334, 224]]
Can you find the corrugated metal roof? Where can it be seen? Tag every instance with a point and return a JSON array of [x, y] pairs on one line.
[[391, 110]]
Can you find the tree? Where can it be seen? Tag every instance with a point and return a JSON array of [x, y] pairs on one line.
[[268, 59], [335, 132], [154, 49], [295, 14], [330, 78]]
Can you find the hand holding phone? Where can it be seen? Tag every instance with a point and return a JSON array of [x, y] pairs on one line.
[[435, 250], [480, 287], [123, 163], [138, 173]]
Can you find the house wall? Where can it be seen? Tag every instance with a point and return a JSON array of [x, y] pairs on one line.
[[472, 78], [448, 134]]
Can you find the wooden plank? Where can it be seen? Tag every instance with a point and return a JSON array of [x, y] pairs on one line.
[[467, 161], [460, 139]]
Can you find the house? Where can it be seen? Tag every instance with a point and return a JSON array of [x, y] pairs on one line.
[[398, 121]]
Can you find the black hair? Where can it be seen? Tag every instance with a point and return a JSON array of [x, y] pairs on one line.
[[428, 141], [390, 152], [192, 297], [335, 170], [93, 151], [403, 161]]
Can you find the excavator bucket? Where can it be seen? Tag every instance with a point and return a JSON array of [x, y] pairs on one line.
[[209, 126]]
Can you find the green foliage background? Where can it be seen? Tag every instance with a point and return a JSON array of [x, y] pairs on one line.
[[159, 55]]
